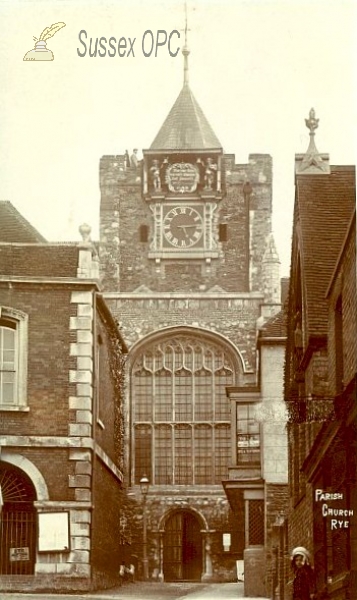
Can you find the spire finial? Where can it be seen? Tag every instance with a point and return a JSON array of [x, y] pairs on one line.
[[313, 161], [312, 123], [185, 50]]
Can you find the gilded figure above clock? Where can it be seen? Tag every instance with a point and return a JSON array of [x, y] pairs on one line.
[[182, 227]]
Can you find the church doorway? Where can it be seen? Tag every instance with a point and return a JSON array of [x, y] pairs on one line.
[[182, 548], [17, 523]]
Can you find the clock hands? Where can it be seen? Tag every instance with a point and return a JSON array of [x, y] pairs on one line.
[[184, 227]]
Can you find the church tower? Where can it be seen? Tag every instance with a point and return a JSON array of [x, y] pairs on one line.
[[189, 266]]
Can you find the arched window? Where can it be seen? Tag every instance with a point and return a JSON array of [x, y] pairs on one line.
[[180, 411]]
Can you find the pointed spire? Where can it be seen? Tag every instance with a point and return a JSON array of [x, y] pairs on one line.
[[185, 51], [186, 127], [271, 253], [271, 272], [312, 161]]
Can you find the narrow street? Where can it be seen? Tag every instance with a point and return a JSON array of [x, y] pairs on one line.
[[145, 591]]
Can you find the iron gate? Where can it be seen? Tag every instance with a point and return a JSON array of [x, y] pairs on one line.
[[17, 539], [18, 531]]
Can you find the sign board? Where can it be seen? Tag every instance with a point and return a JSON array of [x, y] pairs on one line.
[[53, 532], [17, 554], [226, 541]]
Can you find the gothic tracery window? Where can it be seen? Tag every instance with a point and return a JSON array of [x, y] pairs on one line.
[[180, 411]]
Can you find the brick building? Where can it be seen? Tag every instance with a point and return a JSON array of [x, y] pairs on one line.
[[61, 415], [321, 370], [188, 261]]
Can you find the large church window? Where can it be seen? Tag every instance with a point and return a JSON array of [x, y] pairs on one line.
[[143, 445], [180, 411], [203, 388], [163, 455], [183, 395], [183, 454], [163, 390], [143, 386], [203, 453], [222, 458], [223, 377]]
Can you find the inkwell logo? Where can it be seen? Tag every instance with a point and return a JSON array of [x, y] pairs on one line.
[[40, 51]]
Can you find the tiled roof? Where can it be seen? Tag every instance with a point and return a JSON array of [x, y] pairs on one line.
[[38, 260], [14, 227], [275, 327], [186, 127], [324, 207]]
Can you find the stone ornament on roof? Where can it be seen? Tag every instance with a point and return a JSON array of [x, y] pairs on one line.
[[88, 261], [312, 162], [312, 123]]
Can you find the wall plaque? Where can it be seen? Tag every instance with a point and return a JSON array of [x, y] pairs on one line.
[[182, 177], [19, 554]]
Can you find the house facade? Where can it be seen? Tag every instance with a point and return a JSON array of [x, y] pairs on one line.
[[320, 370], [61, 415]]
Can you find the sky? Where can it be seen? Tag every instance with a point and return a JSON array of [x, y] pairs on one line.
[[256, 67]]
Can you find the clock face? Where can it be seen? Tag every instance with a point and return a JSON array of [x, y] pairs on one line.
[[183, 226]]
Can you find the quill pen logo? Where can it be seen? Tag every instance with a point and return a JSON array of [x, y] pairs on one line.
[[40, 51]]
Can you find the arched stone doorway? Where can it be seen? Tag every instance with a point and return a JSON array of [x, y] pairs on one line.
[[18, 522], [183, 557]]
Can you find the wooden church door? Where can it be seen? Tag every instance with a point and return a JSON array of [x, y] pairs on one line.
[[182, 548]]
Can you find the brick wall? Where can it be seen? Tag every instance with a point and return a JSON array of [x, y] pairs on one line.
[[48, 386], [235, 318], [316, 374], [105, 399], [301, 524], [106, 552], [276, 501], [54, 466], [345, 285]]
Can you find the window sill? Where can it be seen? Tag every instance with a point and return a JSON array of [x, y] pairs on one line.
[[14, 408]]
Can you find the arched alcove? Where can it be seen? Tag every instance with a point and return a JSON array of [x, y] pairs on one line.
[[182, 547], [18, 521]]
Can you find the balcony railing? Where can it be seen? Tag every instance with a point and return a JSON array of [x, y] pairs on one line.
[[311, 410]]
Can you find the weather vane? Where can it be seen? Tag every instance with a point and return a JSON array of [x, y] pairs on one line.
[[185, 50]]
